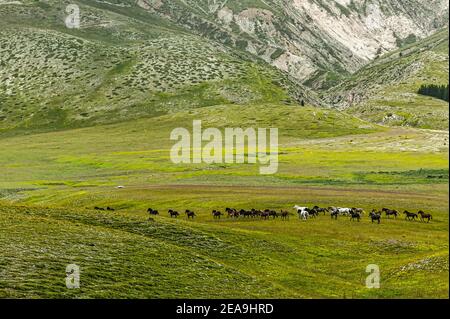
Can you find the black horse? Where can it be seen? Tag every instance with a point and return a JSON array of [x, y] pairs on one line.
[[173, 214], [355, 215], [375, 216]]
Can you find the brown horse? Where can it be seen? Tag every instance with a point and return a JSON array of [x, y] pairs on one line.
[[320, 210], [334, 214], [189, 214], [231, 212], [410, 216], [424, 216], [173, 214], [246, 213], [152, 211], [284, 215], [216, 214], [272, 213], [312, 212], [390, 212], [255, 213], [355, 215], [264, 215]]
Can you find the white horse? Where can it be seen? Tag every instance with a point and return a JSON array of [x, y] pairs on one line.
[[302, 212], [344, 211]]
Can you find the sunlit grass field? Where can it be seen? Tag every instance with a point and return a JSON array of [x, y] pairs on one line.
[[51, 182]]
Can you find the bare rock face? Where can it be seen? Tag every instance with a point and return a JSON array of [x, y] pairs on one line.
[[312, 40], [149, 4]]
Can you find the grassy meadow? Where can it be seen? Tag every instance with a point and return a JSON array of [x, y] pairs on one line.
[[50, 183]]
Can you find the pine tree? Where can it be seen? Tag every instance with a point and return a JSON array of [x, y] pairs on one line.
[[437, 91]]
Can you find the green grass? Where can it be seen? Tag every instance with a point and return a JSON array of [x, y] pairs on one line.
[[84, 111], [51, 181], [123, 255]]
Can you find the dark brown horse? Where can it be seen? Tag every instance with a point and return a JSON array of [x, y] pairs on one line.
[[246, 213], [375, 216], [424, 216], [272, 213], [152, 211], [264, 215], [410, 216], [355, 215], [255, 213], [173, 214], [284, 215], [189, 214], [320, 210], [312, 212], [231, 212], [216, 214], [334, 214], [390, 212]]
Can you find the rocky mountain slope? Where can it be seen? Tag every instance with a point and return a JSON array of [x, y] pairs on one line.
[[315, 41], [385, 91], [132, 59]]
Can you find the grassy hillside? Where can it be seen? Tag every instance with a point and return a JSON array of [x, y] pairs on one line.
[[118, 66], [124, 255], [84, 111], [326, 158], [385, 91]]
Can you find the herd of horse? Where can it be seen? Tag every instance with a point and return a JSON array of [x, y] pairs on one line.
[[305, 213]]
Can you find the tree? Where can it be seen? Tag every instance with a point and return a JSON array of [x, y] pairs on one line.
[[437, 91]]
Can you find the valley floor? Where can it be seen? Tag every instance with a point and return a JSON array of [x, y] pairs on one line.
[[51, 182]]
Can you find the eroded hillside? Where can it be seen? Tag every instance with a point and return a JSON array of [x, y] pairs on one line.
[[131, 59], [385, 91], [315, 41]]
